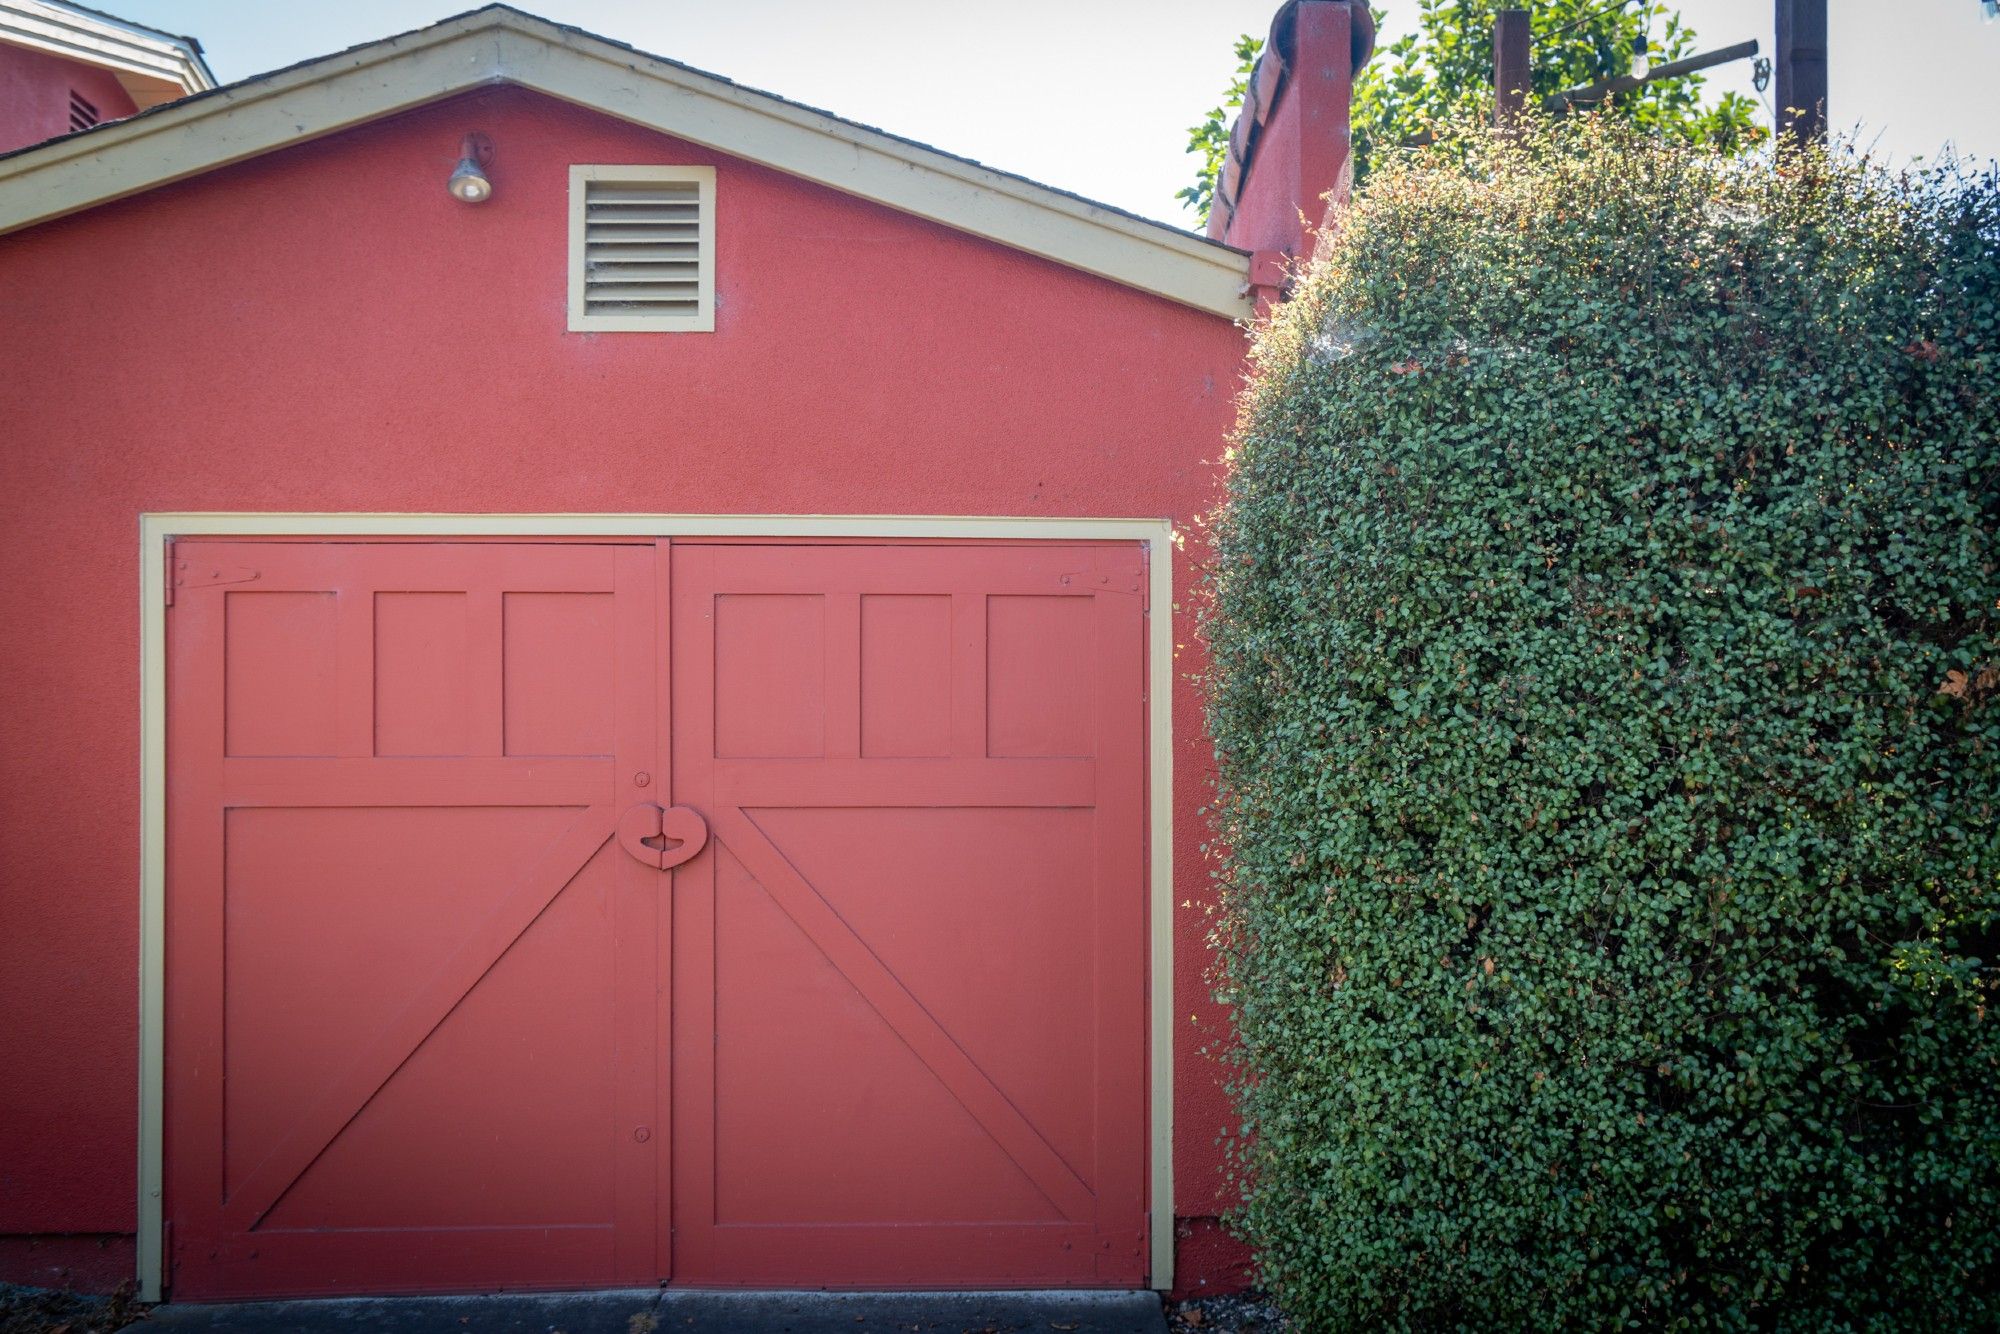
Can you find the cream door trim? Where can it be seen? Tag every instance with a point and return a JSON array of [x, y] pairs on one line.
[[157, 530]]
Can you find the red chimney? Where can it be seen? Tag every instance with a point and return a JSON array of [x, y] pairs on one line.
[[1287, 169]]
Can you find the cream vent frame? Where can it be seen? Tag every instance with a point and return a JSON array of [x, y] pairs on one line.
[[641, 249]]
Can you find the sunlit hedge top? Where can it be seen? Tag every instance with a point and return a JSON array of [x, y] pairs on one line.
[[1606, 687]]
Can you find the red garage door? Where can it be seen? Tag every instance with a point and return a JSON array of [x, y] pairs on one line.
[[453, 1003]]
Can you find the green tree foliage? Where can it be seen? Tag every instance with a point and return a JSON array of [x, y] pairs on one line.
[[1605, 652], [1443, 69], [1210, 139]]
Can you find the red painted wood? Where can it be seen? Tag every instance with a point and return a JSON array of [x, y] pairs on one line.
[[411, 1023], [638, 666], [662, 839], [422, 1031], [909, 993]]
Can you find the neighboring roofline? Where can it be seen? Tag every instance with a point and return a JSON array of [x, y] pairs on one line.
[[501, 45], [153, 66]]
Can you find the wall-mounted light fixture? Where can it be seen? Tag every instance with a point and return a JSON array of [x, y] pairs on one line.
[[468, 179]]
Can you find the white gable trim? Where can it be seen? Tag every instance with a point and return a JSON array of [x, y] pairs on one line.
[[500, 45], [153, 66]]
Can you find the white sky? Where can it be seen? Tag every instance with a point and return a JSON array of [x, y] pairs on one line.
[[1095, 96]]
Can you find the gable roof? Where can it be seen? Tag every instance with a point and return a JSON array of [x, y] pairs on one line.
[[502, 45], [152, 66]]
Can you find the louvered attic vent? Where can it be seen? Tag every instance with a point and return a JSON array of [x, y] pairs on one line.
[[82, 115], [642, 248]]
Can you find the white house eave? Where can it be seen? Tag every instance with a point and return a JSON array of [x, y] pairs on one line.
[[504, 46], [154, 66]]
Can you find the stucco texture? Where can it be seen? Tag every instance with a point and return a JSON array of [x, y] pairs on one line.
[[325, 329], [35, 88]]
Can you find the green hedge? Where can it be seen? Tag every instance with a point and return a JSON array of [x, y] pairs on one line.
[[1606, 690]]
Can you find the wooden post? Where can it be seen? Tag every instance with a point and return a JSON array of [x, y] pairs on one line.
[[1801, 70], [1512, 80]]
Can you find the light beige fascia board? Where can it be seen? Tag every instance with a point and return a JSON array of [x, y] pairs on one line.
[[99, 39], [155, 530], [876, 166], [502, 46], [243, 121]]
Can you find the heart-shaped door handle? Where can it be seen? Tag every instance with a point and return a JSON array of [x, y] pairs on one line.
[[662, 839]]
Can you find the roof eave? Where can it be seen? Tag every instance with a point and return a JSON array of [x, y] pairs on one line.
[[502, 45], [153, 66]]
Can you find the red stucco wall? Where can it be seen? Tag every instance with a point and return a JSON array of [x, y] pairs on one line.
[[34, 95], [326, 329]]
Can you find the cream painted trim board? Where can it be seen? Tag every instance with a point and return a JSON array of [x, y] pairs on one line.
[[156, 530], [580, 318], [500, 45]]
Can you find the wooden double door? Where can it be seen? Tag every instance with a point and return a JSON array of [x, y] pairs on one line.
[[566, 914]]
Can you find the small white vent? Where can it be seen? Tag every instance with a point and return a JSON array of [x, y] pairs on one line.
[[642, 248]]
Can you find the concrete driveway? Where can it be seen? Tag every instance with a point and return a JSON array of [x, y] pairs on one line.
[[678, 1311]]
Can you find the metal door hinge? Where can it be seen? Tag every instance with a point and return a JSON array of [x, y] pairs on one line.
[[1103, 579]]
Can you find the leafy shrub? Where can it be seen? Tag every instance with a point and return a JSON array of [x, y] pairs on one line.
[[1606, 690]]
